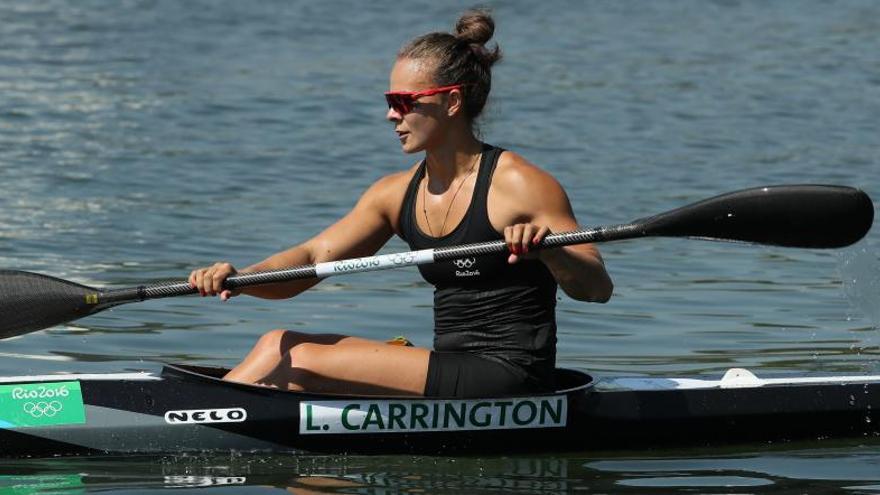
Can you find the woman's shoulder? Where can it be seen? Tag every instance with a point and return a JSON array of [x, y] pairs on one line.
[[515, 174], [396, 181], [389, 190]]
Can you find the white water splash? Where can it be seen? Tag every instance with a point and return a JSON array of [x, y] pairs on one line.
[[860, 271]]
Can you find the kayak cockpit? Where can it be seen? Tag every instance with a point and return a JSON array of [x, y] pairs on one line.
[[567, 381]]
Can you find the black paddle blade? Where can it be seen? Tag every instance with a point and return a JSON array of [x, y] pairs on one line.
[[806, 216], [30, 301]]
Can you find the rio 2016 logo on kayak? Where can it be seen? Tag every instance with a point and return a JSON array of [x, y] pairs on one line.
[[41, 408], [197, 416], [39, 392], [41, 404]]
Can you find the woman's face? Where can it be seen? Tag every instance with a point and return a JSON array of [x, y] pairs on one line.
[[423, 127]]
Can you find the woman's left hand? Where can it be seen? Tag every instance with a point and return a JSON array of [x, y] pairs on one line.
[[521, 237]]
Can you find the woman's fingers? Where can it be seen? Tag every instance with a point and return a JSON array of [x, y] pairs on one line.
[[209, 281], [521, 237], [540, 235]]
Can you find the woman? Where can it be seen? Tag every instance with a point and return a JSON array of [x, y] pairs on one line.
[[495, 329]]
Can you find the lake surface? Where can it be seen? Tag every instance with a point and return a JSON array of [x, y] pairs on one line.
[[141, 139]]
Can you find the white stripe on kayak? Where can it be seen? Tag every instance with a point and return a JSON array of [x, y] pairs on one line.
[[734, 378], [372, 263], [41, 357], [140, 376]]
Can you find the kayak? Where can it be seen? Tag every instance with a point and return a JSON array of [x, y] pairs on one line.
[[191, 409], [183, 409]]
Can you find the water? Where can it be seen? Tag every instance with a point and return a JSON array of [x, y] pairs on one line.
[[141, 139]]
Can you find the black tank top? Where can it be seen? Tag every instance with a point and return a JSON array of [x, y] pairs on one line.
[[483, 304]]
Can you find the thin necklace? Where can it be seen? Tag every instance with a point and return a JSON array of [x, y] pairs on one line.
[[449, 208]]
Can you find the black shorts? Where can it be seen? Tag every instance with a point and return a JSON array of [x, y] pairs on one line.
[[465, 375]]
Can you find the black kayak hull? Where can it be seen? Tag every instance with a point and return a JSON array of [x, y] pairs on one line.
[[189, 409]]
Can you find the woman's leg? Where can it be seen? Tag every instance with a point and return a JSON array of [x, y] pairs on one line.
[[357, 367], [333, 363], [270, 350]]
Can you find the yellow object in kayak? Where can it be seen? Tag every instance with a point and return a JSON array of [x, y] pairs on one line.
[[399, 340]]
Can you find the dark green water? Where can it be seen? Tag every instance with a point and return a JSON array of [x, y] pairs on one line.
[[795, 468], [141, 139]]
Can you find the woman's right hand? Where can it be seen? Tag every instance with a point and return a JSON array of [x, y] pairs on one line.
[[209, 281]]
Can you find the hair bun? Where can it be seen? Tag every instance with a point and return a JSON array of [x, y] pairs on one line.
[[475, 27], [460, 58]]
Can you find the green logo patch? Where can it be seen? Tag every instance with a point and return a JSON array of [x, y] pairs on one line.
[[41, 404], [40, 483]]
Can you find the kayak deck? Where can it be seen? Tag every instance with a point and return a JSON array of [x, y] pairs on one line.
[[191, 409]]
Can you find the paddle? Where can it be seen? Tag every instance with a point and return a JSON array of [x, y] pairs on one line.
[[807, 216]]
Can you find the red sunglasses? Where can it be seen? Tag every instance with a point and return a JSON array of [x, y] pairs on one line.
[[402, 101]]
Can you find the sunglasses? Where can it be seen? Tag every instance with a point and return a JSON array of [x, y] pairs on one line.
[[402, 101]]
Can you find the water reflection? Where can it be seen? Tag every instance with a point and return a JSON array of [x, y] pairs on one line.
[[298, 474], [853, 468], [775, 469]]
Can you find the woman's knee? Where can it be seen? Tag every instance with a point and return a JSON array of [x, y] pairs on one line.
[[306, 361], [281, 340], [271, 340], [305, 355]]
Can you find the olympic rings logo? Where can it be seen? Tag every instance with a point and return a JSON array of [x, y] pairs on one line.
[[42, 408], [465, 262], [403, 258]]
